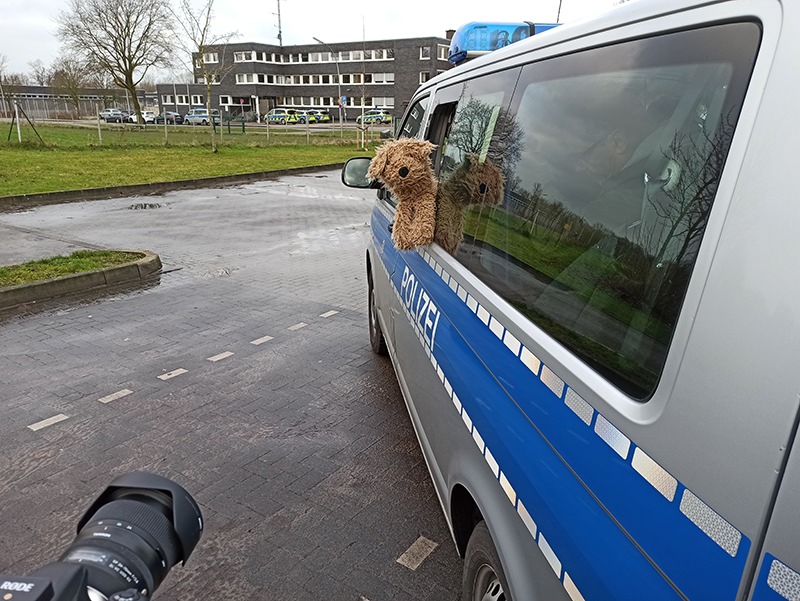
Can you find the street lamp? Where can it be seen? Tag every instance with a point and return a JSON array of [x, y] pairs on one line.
[[338, 82]]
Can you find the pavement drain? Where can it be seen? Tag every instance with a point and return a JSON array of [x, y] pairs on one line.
[[145, 205]]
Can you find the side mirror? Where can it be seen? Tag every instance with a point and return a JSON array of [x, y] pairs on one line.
[[354, 173]]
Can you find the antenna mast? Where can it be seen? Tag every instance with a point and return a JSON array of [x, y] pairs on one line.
[[280, 31]]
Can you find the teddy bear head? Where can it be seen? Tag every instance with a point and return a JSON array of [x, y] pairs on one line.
[[403, 166], [475, 182]]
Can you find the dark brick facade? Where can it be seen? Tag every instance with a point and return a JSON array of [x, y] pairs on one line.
[[401, 58]]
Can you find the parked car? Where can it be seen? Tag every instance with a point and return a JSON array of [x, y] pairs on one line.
[[306, 116], [119, 117], [281, 116], [172, 118], [105, 114], [375, 116], [199, 116], [322, 116], [147, 117]]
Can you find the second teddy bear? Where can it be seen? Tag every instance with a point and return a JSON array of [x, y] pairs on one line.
[[473, 182]]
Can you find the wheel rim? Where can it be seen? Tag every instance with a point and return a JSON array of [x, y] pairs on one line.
[[487, 585]]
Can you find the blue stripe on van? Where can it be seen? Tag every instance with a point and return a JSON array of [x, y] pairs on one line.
[[534, 435], [776, 581]]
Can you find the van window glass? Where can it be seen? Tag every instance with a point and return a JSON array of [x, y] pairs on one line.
[[413, 123], [610, 162]]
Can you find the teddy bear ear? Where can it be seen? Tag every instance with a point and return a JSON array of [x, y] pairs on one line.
[[378, 163], [422, 149]]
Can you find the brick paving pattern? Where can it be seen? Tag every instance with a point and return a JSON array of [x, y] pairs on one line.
[[295, 441]]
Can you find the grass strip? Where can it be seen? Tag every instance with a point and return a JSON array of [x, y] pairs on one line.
[[72, 159], [78, 262]]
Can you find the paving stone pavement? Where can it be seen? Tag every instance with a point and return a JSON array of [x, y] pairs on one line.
[[298, 449]]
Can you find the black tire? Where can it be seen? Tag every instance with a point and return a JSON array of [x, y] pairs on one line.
[[376, 339], [283, 121], [483, 579]]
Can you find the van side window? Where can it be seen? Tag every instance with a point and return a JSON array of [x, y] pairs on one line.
[[413, 123], [611, 160], [481, 137]]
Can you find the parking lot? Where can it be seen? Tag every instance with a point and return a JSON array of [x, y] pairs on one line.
[[244, 373]]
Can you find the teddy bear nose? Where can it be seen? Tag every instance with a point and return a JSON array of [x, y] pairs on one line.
[[483, 188], [403, 171]]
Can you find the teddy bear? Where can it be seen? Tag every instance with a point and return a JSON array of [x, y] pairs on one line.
[[404, 168], [472, 182]]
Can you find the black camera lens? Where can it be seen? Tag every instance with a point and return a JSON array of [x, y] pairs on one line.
[[135, 532]]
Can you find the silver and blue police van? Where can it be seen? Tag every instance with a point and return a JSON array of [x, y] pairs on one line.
[[602, 374]]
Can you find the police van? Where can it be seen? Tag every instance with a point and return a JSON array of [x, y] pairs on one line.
[[601, 371]]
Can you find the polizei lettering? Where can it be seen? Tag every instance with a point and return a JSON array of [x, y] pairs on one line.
[[424, 312]]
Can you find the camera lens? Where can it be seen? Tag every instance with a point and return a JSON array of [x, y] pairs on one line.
[[135, 532]]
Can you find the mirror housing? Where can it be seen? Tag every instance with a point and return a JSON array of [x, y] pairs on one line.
[[354, 174]]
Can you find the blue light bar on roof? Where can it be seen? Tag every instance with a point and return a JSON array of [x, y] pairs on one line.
[[475, 39]]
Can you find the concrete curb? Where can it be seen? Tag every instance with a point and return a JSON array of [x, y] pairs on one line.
[[26, 201], [149, 264]]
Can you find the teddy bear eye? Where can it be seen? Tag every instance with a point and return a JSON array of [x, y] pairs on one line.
[[483, 188], [403, 171]]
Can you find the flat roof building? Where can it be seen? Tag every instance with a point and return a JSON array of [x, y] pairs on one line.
[[253, 78]]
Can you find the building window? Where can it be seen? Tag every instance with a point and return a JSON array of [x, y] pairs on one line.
[[424, 53], [167, 99], [384, 102], [223, 100], [183, 99], [443, 52], [424, 76], [211, 57], [344, 55], [197, 99]]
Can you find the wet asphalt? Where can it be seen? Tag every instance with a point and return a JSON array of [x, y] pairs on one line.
[[243, 372]]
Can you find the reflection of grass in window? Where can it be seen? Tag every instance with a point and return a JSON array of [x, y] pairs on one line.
[[550, 254], [629, 376]]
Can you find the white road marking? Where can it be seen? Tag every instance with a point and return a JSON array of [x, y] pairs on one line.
[[117, 395], [48, 422], [329, 314], [297, 326], [220, 357], [261, 340], [173, 373], [417, 553]]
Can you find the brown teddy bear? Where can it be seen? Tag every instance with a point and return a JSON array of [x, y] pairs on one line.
[[473, 182], [403, 166]]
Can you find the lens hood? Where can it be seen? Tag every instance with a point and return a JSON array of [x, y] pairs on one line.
[[180, 507]]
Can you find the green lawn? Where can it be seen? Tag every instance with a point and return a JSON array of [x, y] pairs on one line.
[[77, 262], [72, 158]]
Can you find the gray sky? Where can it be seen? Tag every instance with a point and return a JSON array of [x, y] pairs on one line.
[[27, 27]]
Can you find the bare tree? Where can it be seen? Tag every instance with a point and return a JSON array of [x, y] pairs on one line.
[[72, 75], [3, 102], [196, 24], [124, 38], [40, 74]]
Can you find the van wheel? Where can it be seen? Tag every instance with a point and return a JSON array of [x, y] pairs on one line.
[[376, 339], [484, 579]]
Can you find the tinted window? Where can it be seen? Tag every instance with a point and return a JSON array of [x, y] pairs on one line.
[[611, 160], [413, 123]]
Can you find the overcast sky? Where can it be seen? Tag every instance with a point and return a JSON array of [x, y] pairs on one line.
[[27, 27]]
